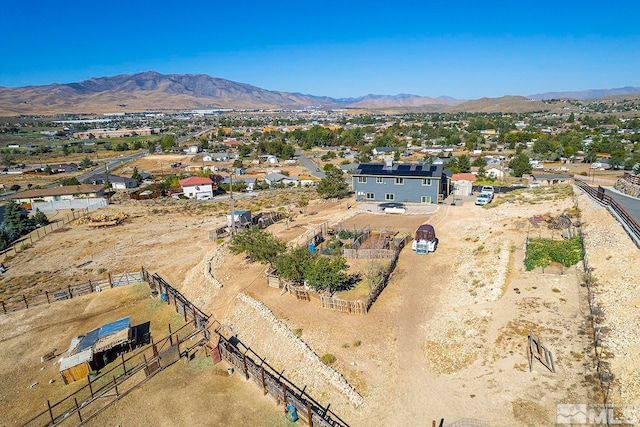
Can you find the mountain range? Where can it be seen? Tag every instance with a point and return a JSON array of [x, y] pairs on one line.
[[152, 91]]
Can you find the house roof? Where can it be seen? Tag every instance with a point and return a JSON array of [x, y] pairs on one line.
[[463, 177], [195, 180], [277, 177], [65, 190], [248, 179], [399, 169], [76, 359], [385, 149], [111, 178]]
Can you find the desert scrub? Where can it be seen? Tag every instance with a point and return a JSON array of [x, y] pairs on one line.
[[327, 358]]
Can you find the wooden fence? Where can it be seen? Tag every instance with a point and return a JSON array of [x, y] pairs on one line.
[[632, 178], [342, 305], [626, 220], [386, 275], [21, 302], [121, 378], [37, 234], [261, 220], [276, 386], [173, 297], [597, 319]]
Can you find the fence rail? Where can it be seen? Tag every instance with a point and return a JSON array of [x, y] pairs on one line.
[[40, 232], [627, 221], [276, 386], [116, 382], [22, 301]]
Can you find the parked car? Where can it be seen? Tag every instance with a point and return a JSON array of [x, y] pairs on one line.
[[487, 189], [483, 199]]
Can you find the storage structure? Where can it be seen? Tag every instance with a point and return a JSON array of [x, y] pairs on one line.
[[95, 349]]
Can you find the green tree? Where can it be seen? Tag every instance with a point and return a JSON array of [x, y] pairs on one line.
[[294, 263], [70, 181], [86, 163], [40, 218], [8, 160], [520, 165], [464, 164], [16, 221], [136, 175], [259, 245], [333, 184], [327, 274], [167, 142]]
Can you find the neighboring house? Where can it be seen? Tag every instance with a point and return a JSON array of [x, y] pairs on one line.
[[250, 181], [394, 182], [494, 172], [193, 149], [463, 184], [307, 181], [197, 187], [384, 151], [544, 179], [146, 176], [277, 178], [67, 192], [216, 157], [117, 182], [64, 167]]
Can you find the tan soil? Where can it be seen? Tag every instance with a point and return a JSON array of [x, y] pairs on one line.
[[446, 339]]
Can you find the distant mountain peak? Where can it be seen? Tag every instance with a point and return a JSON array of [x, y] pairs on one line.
[[587, 94]]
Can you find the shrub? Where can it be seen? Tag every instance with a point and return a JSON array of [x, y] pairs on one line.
[[357, 343], [101, 270], [327, 359]]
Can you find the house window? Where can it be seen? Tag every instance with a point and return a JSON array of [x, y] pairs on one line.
[[425, 199], [426, 182], [370, 196], [379, 180], [389, 196], [362, 180], [399, 181]]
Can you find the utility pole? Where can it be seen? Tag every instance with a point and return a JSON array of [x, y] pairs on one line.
[[233, 213], [107, 183]]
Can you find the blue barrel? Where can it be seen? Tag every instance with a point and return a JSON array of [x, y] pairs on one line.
[[163, 296], [292, 414], [312, 248]]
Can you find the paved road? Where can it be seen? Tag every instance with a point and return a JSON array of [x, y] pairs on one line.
[[112, 163], [630, 204], [309, 165]]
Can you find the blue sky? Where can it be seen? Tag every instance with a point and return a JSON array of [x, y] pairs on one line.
[[463, 49]]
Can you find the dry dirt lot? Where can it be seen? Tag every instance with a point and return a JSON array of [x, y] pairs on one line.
[[446, 339]]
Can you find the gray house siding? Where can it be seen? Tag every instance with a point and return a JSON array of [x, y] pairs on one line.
[[396, 189], [410, 183]]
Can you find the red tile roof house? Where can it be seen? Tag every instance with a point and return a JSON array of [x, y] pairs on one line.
[[197, 187]]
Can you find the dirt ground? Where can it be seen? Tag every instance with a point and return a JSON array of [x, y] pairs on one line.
[[446, 339]]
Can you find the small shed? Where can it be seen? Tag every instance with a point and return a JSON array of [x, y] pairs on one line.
[[89, 352], [240, 218], [77, 366]]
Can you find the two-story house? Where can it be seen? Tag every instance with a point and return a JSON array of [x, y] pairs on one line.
[[399, 182], [197, 187]]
